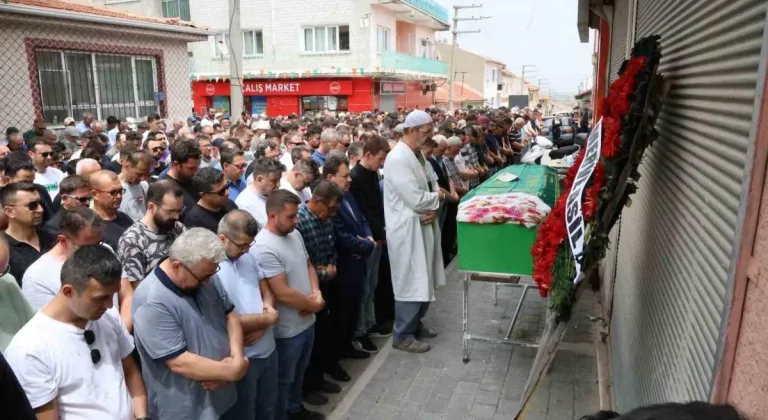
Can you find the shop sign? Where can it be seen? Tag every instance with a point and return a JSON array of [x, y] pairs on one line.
[[392, 88], [278, 88], [335, 88], [210, 89], [271, 87]]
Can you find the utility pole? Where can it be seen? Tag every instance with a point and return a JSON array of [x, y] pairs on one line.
[[235, 61], [456, 33], [527, 69]]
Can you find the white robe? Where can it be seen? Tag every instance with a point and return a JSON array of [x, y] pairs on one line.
[[415, 255]]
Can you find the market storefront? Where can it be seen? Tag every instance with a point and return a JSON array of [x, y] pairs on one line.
[[287, 96]]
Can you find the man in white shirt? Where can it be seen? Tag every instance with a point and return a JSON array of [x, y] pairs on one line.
[[79, 226], [89, 373], [298, 179], [46, 176], [294, 140], [136, 167], [266, 178]]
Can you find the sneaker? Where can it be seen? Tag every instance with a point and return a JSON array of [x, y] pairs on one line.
[[314, 398], [305, 414], [354, 353], [426, 332], [364, 344], [329, 387], [412, 346], [380, 331]]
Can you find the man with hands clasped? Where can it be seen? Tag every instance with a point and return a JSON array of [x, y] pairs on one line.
[[189, 338], [279, 249]]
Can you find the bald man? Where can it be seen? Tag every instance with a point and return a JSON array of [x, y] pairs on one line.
[[85, 167], [107, 193]]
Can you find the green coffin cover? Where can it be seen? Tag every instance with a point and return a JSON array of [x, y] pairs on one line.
[[505, 248]]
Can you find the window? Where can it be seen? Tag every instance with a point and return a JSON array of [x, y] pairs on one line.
[[326, 38], [424, 48], [73, 83], [382, 39], [253, 43], [221, 45], [313, 104], [176, 9]]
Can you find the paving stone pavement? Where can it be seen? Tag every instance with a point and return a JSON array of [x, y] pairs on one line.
[[437, 385]]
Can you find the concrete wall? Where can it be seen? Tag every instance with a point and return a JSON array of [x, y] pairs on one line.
[[138, 7], [493, 76], [17, 99], [471, 63]]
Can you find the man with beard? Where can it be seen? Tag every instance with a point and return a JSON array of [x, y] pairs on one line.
[[27, 241], [185, 161], [107, 193], [155, 144], [187, 333], [146, 242], [214, 202], [411, 201], [73, 358], [266, 178], [313, 136]]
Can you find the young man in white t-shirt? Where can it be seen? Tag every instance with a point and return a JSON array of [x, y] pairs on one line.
[[266, 178], [73, 358], [48, 177]]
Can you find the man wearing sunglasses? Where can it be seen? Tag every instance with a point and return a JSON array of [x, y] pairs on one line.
[[246, 286], [293, 141], [214, 202], [89, 372], [233, 167], [79, 227], [23, 208], [107, 192], [74, 193], [189, 338], [48, 177]]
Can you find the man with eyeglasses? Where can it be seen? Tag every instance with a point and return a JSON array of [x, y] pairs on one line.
[[155, 144], [107, 192], [89, 372], [206, 160], [246, 286], [293, 141], [45, 175], [74, 193], [146, 242], [214, 201], [185, 162], [298, 179], [80, 226], [23, 208], [233, 166], [266, 178], [189, 338]]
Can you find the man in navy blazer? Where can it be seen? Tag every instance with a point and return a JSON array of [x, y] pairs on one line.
[[354, 243]]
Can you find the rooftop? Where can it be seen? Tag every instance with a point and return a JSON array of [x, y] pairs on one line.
[[74, 10]]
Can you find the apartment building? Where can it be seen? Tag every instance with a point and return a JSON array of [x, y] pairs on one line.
[[303, 56]]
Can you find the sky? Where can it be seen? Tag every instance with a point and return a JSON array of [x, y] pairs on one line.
[[538, 32]]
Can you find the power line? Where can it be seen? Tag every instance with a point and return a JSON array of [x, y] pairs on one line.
[[456, 33]]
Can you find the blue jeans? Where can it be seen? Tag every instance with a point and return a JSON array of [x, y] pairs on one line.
[[293, 360], [408, 317], [367, 317], [257, 391]]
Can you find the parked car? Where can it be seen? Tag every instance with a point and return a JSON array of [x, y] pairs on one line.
[[557, 129]]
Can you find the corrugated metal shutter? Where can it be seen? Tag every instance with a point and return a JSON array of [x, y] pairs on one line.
[[618, 37], [677, 239]]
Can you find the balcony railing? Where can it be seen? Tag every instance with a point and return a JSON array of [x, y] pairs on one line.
[[431, 8], [404, 62]]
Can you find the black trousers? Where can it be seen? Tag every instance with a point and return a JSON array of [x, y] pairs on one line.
[[322, 348], [448, 239], [384, 300]]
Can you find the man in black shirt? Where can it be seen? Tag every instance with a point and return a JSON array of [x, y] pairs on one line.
[[19, 168], [214, 202], [74, 192], [185, 162], [27, 241], [15, 403], [107, 192]]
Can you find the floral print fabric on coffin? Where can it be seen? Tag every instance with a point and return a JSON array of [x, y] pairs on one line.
[[523, 209]]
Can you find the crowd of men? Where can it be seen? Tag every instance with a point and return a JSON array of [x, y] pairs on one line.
[[219, 269]]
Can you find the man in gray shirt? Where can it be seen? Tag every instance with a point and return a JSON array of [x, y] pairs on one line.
[[188, 336], [280, 251]]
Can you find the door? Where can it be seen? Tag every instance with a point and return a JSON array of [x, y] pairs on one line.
[[388, 103]]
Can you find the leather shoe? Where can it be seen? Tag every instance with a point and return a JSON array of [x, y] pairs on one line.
[[352, 353], [337, 373], [329, 387], [314, 398]]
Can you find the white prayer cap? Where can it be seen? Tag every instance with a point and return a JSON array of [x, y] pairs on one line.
[[417, 118]]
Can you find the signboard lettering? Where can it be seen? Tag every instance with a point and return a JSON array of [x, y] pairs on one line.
[[392, 87], [574, 219], [274, 87], [335, 88]]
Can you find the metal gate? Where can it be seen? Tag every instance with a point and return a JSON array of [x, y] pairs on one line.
[[677, 239], [618, 36]]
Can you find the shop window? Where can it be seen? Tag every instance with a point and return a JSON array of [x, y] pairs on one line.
[[174, 9], [253, 43], [313, 104], [73, 83], [221, 45], [326, 38]]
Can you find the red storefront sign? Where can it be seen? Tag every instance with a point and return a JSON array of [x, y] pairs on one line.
[[291, 87], [392, 88]]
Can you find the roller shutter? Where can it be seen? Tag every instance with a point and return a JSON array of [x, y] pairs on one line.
[[618, 36], [677, 238]]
